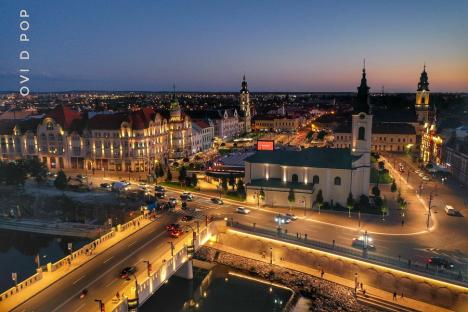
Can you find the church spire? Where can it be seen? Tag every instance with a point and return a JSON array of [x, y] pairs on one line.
[[423, 84], [362, 99], [244, 85]]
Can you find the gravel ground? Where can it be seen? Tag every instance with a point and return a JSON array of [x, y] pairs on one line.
[[323, 295]]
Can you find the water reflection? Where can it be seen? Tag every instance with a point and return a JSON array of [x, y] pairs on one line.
[[218, 290], [18, 250]]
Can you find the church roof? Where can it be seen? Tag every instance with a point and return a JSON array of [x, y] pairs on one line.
[[337, 158]]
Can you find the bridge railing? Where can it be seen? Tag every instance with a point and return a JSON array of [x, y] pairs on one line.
[[368, 256]]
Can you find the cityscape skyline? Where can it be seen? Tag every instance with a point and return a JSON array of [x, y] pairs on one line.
[[300, 47]]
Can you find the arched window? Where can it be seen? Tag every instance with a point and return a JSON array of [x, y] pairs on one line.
[[295, 178], [337, 181], [361, 133], [50, 126], [315, 179]]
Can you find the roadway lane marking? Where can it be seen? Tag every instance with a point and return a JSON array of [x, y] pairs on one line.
[[79, 279], [110, 269], [105, 261], [80, 307], [112, 282], [131, 244]]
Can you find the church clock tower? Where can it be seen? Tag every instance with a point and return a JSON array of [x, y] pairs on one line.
[[422, 98], [244, 101]]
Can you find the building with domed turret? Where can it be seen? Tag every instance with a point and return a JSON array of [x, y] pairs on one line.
[[245, 111], [180, 131]]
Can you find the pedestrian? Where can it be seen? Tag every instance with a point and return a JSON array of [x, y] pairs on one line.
[[362, 286], [409, 263], [394, 296], [297, 234], [427, 266], [138, 223], [322, 273], [401, 297], [333, 244]]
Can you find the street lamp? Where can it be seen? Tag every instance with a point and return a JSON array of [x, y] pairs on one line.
[[271, 255], [148, 267], [100, 303], [172, 248]]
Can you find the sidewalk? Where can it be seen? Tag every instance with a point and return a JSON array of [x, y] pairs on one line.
[[50, 278], [382, 295]]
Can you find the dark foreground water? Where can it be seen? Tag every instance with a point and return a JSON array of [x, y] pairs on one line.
[[18, 249], [217, 290]]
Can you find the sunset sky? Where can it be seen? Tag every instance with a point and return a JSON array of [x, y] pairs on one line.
[[208, 45]]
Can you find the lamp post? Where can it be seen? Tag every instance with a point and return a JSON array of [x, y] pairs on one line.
[[148, 267], [100, 303], [429, 211], [271, 255], [172, 248]]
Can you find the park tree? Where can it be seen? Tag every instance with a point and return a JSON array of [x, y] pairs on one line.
[[224, 184], [194, 180], [61, 180], [169, 175], [36, 169], [393, 188], [291, 197], [240, 188], [261, 194], [14, 173], [363, 202], [182, 174], [376, 191], [232, 181], [319, 199], [350, 203]]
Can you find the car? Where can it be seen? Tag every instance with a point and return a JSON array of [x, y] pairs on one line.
[[105, 185], [291, 216], [440, 262], [125, 182], [126, 272], [175, 233], [172, 201], [173, 226], [81, 177], [417, 171], [184, 205], [187, 218], [143, 188], [186, 196], [217, 201], [242, 210], [450, 211], [143, 184], [160, 195], [359, 242], [159, 188], [282, 219]]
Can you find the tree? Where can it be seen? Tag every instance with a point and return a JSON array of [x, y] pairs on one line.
[[319, 199], [310, 135], [291, 197], [194, 180], [182, 174], [36, 168], [159, 171], [232, 181], [240, 188], [393, 188], [376, 191], [61, 180], [14, 173], [224, 184], [261, 194], [363, 202], [350, 203], [169, 175]]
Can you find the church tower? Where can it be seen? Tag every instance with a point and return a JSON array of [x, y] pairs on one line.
[[362, 98], [422, 98], [245, 110]]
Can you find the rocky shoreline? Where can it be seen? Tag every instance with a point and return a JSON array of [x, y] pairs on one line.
[[323, 295]]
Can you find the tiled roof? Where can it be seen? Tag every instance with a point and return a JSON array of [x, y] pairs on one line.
[[7, 126], [63, 115], [338, 158], [107, 121], [201, 123]]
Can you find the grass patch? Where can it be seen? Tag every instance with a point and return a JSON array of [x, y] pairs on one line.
[[234, 196]]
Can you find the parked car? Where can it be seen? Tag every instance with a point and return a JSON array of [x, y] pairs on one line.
[[450, 211], [160, 195], [426, 178], [126, 272], [242, 210], [359, 242], [81, 177], [217, 201], [184, 205], [173, 201], [105, 185], [440, 262], [291, 216], [186, 196], [282, 219], [175, 233]]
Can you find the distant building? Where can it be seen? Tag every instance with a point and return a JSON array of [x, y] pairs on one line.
[[456, 154], [202, 135], [277, 123]]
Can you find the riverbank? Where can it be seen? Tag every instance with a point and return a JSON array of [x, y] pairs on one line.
[[323, 295]]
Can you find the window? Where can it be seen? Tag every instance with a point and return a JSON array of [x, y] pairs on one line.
[[337, 181], [295, 178], [361, 133], [50, 126], [315, 179]]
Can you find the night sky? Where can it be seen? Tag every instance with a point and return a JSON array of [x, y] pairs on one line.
[[208, 45]]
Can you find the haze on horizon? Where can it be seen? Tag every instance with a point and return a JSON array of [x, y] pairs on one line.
[[208, 45]]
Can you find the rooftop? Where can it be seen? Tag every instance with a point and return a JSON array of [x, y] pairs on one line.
[[277, 183], [337, 158]]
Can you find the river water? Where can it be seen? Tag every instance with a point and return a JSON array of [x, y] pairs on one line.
[[18, 250], [218, 290]]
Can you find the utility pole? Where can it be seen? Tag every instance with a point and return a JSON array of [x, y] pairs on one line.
[[429, 211]]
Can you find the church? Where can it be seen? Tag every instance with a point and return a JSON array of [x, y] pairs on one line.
[[289, 178]]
